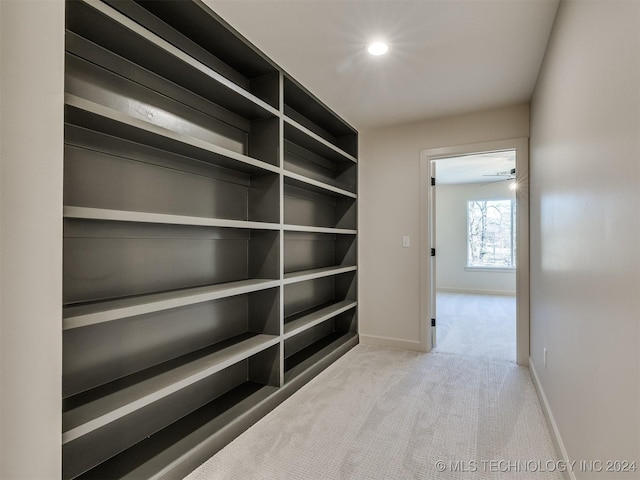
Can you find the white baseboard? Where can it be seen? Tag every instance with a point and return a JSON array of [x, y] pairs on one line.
[[475, 291], [396, 343], [551, 422]]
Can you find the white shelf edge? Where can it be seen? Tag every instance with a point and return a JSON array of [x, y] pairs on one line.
[[322, 185], [176, 52], [198, 370], [316, 273], [305, 228], [123, 118], [144, 217], [109, 310], [315, 318], [318, 138]]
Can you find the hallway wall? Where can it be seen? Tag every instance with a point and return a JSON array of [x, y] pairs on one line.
[[31, 144], [585, 230], [389, 205]]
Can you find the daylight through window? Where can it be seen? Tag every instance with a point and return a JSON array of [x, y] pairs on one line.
[[491, 233]]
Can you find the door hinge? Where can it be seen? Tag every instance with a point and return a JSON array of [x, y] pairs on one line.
[[433, 322], [433, 252], [433, 181]]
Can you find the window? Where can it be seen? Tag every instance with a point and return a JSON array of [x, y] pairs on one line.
[[491, 233]]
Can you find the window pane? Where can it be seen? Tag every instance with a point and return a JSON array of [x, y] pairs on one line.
[[491, 237]]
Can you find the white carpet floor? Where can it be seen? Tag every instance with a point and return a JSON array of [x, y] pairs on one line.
[[382, 414], [476, 325]]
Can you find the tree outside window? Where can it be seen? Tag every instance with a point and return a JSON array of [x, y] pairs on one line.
[[491, 233]]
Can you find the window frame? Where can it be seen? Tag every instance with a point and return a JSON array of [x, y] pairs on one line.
[[513, 240]]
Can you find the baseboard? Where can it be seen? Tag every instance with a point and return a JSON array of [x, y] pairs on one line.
[[396, 343], [475, 291], [551, 422]]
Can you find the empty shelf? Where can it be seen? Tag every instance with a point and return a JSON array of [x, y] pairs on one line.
[[114, 405], [190, 440], [303, 275], [300, 324], [315, 186], [126, 37], [93, 116], [305, 228], [82, 315], [143, 217], [305, 359], [304, 137]]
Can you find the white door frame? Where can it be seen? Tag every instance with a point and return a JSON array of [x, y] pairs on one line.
[[521, 146]]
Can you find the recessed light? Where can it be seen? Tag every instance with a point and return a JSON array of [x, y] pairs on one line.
[[377, 48]]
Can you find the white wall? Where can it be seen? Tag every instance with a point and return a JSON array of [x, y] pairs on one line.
[[451, 240], [585, 230], [31, 95], [389, 203]]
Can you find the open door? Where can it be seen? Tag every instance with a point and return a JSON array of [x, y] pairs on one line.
[[428, 159], [432, 246]]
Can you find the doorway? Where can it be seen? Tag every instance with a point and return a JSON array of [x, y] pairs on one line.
[[502, 247]]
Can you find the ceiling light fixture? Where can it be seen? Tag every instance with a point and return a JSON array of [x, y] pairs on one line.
[[377, 48]]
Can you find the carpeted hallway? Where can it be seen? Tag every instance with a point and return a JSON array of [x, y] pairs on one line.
[[382, 414], [477, 325]]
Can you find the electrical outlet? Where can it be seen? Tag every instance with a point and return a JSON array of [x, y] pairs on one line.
[[406, 241], [544, 356]]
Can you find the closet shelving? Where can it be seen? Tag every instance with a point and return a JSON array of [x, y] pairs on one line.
[[210, 234], [319, 316]]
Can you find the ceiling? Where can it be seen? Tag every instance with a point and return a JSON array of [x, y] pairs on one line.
[[446, 57], [483, 168]]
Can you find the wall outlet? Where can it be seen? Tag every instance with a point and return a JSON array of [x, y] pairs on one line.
[[406, 241], [544, 356]]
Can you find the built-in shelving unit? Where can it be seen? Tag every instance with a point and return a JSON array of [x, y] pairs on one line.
[[210, 234]]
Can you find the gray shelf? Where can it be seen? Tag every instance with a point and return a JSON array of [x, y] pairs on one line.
[[310, 184], [304, 360], [154, 181], [311, 157], [115, 405], [301, 106], [93, 116], [76, 316], [312, 274], [182, 446], [308, 207], [310, 320], [310, 229], [144, 217], [199, 32], [304, 137], [128, 39], [97, 446], [310, 251]]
